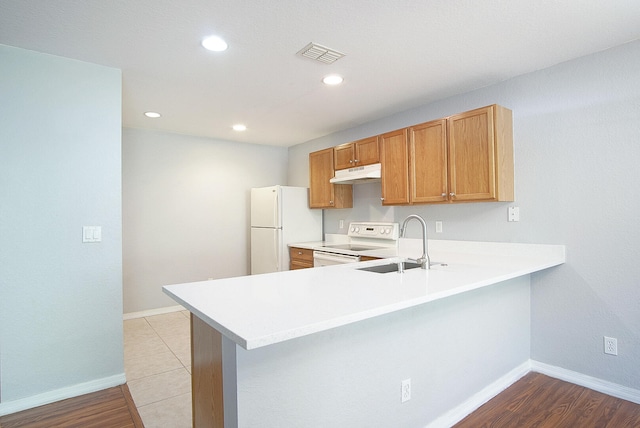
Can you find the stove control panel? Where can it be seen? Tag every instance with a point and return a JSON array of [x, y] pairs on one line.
[[374, 230]]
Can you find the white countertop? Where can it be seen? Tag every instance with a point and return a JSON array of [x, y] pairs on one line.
[[333, 239], [261, 310]]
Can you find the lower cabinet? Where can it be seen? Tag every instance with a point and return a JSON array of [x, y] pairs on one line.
[[300, 258]]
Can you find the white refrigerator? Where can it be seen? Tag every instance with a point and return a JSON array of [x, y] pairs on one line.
[[280, 215]]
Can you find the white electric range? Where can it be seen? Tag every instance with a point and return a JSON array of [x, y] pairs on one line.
[[363, 236]]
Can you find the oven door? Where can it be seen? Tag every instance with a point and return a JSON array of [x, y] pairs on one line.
[[320, 258]]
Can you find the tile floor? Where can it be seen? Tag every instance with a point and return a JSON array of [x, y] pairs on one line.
[[157, 360]]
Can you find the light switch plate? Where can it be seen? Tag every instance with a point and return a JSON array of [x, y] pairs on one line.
[[91, 234]]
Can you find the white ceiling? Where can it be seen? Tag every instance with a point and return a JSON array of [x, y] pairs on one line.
[[399, 54]]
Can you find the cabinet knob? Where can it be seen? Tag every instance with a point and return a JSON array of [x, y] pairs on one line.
[[330, 202], [452, 194], [299, 253], [356, 161], [350, 160], [443, 195], [382, 199]]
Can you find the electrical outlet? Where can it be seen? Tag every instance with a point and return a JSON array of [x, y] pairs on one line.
[[406, 390], [438, 227], [513, 214], [341, 224], [610, 345]]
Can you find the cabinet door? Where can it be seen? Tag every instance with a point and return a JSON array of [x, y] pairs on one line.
[[300, 258], [366, 151], [343, 156], [358, 153], [320, 172], [472, 156], [394, 157], [428, 162], [323, 194]]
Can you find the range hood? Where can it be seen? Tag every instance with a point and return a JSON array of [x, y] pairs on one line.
[[358, 174]]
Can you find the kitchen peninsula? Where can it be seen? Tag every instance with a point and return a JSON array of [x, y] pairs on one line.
[[330, 346]]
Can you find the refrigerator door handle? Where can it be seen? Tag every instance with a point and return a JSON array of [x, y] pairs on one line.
[[276, 250], [276, 209]]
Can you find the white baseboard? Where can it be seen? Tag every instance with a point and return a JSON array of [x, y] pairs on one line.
[[6, 408], [448, 419], [606, 387], [152, 312], [474, 402], [458, 413]]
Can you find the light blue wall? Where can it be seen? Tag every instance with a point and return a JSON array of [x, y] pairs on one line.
[[60, 299], [350, 376], [186, 210], [577, 146]]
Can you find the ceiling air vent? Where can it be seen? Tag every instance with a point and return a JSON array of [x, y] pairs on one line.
[[320, 53]]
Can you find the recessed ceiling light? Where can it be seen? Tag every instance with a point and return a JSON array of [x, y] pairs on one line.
[[152, 114], [332, 79], [239, 127], [214, 43]]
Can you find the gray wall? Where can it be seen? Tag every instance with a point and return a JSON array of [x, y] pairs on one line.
[[60, 299], [577, 145], [185, 210], [351, 376]]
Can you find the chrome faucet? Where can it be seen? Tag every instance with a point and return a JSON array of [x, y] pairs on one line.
[[424, 261]]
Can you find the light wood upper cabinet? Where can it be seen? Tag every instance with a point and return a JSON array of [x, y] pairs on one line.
[[323, 194], [394, 157], [367, 151], [357, 153], [428, 176], [481, 155], [463, 158]]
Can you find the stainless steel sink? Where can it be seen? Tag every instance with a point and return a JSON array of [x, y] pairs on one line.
[[391, 267]]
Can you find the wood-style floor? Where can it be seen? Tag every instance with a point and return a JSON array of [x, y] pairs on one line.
[[540, 401], [535, 400], [109, 408]]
